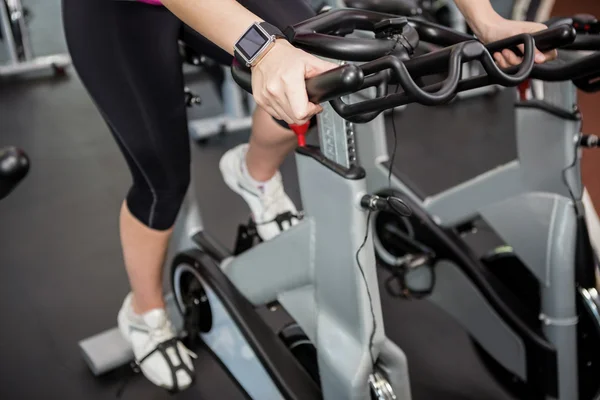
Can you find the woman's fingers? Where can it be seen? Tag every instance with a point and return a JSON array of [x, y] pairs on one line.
[[278, 83], [502, 63], [511, 58]]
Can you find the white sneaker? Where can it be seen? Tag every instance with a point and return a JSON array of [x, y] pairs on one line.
[[272, 210], [162, 358]]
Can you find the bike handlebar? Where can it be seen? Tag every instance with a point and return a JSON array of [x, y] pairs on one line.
[[389, 62], [330, 85], [391, 69], [583, 71], [322, 34], [587, 28], [397, 7]]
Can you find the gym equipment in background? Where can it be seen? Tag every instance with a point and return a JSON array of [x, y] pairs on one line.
[[15, 36], [238, 106], [533, 307], [14, 166], [530, 10], [320, 275]]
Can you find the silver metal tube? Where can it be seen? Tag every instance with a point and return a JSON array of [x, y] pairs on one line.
[[5, 23]]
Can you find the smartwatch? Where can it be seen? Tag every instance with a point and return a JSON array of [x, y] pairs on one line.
[[256, 42]]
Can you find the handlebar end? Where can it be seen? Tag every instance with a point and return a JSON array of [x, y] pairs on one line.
[[335, 83]]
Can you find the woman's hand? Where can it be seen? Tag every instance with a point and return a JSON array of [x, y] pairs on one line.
[[502, 28], [278, 82]]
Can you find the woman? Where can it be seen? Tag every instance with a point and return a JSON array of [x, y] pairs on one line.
[[126, 53]]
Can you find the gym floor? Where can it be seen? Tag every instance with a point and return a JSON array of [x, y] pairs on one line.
[[62, 276]]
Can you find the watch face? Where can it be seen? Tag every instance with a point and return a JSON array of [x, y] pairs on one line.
[[251, 43]]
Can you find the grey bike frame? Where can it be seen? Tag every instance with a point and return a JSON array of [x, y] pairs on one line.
[[312, 271], [531, 203]]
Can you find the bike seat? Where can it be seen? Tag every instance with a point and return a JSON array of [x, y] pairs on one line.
[[14, 165], [405, 8]]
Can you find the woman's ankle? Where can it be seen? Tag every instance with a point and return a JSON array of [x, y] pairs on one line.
[[143, 305], [260, 170]]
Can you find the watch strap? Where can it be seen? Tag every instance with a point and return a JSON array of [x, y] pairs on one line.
[[238, 57], [272, 30]]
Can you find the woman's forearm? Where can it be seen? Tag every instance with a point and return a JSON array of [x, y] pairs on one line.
[[478, 13], [220, 21]]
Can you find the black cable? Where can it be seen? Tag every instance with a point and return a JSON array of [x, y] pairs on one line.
[[395, 143], [565, 171], [362, 272]]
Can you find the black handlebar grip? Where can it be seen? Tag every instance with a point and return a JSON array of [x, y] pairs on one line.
[[555, 37], [545, 40], [321, 88], [335, 83], [588, 37]]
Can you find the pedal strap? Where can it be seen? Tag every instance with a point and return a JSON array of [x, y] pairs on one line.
[[162, 349], [285, 217], [248, 236]]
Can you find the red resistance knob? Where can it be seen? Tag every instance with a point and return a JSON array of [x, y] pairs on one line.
[[523, 87], [300, 131]]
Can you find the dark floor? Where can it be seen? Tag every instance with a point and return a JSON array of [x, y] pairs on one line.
[[62, 272]]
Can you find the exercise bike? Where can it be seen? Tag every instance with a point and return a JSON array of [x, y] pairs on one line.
[[531, 306], [298, 274], [209, 286]]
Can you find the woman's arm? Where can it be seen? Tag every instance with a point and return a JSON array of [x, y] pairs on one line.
[[489, 26], [278, 78], [480, 15]]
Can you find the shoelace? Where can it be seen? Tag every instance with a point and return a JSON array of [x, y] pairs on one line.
[[164, 333], [158, 335]]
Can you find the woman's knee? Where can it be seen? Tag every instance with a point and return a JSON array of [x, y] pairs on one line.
[[157, 207]]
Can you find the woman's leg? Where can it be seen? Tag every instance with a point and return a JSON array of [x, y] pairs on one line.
[[270, 143], [251, 170], [144, 251], [127, 56]]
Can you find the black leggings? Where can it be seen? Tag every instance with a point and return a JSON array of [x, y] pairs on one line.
[[126, 53]]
